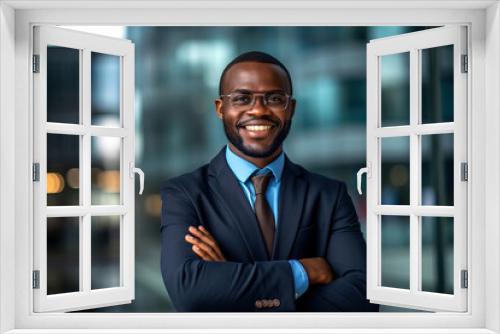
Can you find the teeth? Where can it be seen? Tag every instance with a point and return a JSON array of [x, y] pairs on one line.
[[258, 127]]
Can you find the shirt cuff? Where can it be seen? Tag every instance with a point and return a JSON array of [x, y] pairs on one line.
[[300, 279]]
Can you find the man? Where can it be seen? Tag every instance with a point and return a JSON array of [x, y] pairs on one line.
[[252, 231]]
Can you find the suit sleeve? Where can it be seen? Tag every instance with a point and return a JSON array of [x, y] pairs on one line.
[[208, 286], [346, 254]]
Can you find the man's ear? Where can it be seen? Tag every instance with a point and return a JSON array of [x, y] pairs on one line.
[[293, 103], [218, 108]]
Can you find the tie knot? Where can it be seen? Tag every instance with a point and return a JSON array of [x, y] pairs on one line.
[[260, 182]]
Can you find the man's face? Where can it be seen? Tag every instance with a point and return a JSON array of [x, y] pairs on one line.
[[239, 125]]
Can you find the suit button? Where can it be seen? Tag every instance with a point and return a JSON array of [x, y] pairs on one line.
[[276, 302], [258, 303], [265, 303]]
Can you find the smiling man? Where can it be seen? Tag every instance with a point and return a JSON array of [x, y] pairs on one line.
[[251, 230]]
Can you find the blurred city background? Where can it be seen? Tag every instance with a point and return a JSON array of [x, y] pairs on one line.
[[177, 72]]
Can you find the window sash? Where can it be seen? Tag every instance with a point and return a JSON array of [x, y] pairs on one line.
[[86, 297], [413, 297]]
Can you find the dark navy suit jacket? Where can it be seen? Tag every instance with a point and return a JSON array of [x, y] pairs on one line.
[[317, 218]]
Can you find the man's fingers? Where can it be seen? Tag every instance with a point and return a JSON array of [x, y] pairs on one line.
[[200, 253], [206, 249], [216, 246], [209, 250], [207, 238], [192, 240], [205, 231]]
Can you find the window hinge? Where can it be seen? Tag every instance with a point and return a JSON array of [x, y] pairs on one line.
[[36, 171], [36, 63], [464, 167], [36, 279], [464, 279], [465, 64]]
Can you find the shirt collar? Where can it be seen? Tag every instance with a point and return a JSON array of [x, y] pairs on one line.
[[243, 168]]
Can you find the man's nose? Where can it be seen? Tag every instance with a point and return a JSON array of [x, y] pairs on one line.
[[259, 105]]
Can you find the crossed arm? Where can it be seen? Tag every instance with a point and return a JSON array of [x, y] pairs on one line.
[[206, 247], [199, 278]]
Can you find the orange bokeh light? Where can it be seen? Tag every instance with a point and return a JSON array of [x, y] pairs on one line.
[[55, 183]]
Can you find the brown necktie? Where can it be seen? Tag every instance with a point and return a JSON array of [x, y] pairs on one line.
[[263, 211]]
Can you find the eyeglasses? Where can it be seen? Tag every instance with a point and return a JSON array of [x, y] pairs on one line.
[[241, 101]]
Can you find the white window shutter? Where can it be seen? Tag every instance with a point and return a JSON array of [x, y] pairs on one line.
[[412, 130], [85, 213]]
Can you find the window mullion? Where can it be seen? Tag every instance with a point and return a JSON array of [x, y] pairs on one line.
[[420, 129], [85, 265], [415, 254]]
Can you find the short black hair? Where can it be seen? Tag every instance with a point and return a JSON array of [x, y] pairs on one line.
[[256, 56]]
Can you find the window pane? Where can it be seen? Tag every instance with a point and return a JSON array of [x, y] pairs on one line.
[[395, 170], [63, 84], [63, 173], [105, 252], [395, 89], [437, 84], [63, 247], [437, 254], [395, 251], [105, 93], [437, 169], [106, 170]]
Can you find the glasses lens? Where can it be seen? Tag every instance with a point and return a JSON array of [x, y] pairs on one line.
[[241, 100], [276, 100]]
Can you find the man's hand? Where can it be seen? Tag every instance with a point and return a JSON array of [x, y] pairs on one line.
[[204, 245], [318, 270]]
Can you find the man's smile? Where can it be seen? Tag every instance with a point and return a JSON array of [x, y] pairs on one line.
[[257, 130]]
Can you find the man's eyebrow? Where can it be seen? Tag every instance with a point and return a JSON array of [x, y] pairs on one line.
[[248, 91], [242, 90]]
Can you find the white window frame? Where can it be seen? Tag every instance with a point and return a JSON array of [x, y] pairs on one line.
[[16, 19], [412, 44], [86, 297]]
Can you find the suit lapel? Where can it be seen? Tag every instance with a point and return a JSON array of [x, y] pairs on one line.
[[230, 195], [292, 191]]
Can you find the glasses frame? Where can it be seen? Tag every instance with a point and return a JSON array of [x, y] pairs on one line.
[[254, 99]]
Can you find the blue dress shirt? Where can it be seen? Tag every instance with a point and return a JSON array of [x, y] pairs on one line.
[[242, 169]]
